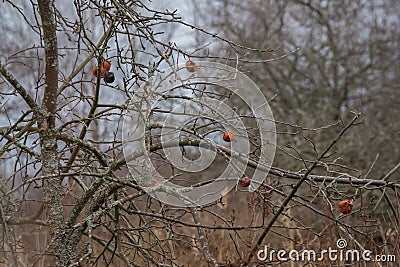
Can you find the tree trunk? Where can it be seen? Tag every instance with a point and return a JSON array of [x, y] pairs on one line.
[[48, 142]]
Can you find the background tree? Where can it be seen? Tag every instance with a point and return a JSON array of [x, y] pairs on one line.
[[328, 69]]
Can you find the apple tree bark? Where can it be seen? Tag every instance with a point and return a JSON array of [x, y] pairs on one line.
[[45, 116]]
